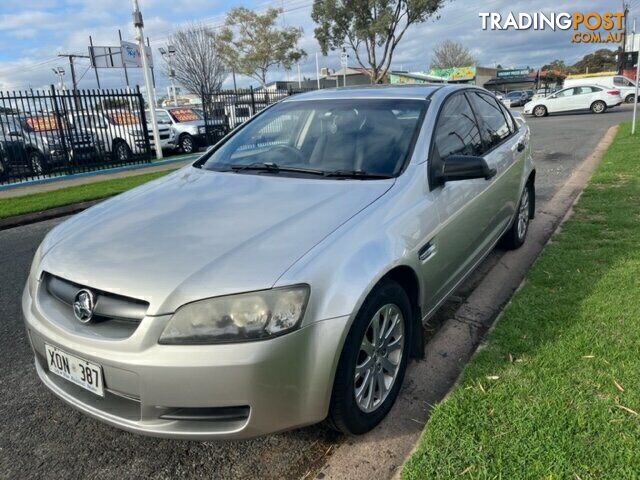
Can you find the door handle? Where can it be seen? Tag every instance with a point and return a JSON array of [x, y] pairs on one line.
[[521, 147], [427, 252]]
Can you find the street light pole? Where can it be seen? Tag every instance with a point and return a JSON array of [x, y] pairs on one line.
[[169, 52], [151, 97], [59, 71]]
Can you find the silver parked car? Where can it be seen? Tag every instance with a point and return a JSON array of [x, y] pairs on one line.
[[283, 278], [187, 125]]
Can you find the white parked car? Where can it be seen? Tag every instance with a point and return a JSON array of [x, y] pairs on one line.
[[588, 97], [618, 82], [121, 132]]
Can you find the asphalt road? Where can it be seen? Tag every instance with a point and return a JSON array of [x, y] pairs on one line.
[[40, 437]]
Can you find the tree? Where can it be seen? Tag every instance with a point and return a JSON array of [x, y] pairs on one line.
[[197, 65], [375, 26], [251, 43], [450, 54], [557, 66], [599, 61]]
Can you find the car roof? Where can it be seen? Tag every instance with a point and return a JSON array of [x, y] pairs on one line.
[[415, 92]]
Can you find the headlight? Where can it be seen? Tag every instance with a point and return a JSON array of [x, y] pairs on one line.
[[32, 281], [238, 318]]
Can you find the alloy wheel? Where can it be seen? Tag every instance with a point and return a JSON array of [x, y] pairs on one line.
[[539, 111], [379, 358], [122, 151], [599, 107], [35, 160], [186, 144], [523, 214]]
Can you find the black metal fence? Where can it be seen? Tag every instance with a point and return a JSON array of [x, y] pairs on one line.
[[61, 132], [224, 110]]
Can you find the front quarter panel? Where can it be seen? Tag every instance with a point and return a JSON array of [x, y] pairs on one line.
[[344, 268]]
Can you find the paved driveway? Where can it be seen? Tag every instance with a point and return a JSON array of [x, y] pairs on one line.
[[40, 437]]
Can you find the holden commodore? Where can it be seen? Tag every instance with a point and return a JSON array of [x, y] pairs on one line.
[[284, 277]]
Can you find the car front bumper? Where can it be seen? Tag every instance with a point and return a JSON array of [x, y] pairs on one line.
[[228, 391]]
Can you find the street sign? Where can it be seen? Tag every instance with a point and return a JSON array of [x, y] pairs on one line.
[[344, 59], [105, 57], [131, 56]]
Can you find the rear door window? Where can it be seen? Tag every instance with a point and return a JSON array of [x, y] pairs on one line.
[[510, 122], [493, 124]]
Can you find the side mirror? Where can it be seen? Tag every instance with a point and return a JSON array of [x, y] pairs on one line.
[[464, 167]]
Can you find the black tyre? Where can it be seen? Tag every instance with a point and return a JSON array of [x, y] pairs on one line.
[[540, 111], [37, 163], [121, 151], [598, 106], [187, 144], [630, 98], [373, 361], [514, 237]]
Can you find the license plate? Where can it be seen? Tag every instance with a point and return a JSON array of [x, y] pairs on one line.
[[77, 370]]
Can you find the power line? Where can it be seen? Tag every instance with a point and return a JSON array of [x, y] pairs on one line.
[[28, 67]]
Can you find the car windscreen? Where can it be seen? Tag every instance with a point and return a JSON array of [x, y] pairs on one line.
[[41, 123], [162, 117], [359, 136], [123, 117], [184, 115]]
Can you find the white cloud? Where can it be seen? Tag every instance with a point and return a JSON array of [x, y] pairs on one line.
[[36, 32]]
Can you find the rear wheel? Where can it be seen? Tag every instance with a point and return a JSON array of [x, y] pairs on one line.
[[514, 237], [540, 111], [630, 98], [373, 361], [598, 106]]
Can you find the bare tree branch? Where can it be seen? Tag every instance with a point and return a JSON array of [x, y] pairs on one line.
[[196, 64], [449, 54]]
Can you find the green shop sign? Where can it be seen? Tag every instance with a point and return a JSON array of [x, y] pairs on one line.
[[521, 72]]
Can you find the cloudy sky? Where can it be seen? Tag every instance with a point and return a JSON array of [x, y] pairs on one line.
[[33, 32]]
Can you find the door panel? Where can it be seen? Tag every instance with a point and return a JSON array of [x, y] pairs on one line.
[[562, 102], [462, 218]]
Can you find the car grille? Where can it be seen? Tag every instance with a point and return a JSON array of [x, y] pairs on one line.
[[108, 306]]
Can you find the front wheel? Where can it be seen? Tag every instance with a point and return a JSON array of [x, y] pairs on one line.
[[187, 144], [37, 163], [121, 151], [598, 106], [540, 111], [373, 361]]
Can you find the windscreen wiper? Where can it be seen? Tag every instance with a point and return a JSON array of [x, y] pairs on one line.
[[273, 167], [356, 174]]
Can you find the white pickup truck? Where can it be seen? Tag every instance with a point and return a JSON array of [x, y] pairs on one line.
[[122, 132]]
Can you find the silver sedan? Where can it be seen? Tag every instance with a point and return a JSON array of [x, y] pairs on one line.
[[283, 278]]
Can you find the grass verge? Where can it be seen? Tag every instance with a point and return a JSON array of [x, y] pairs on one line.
[[36, 202], [555, 391]]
